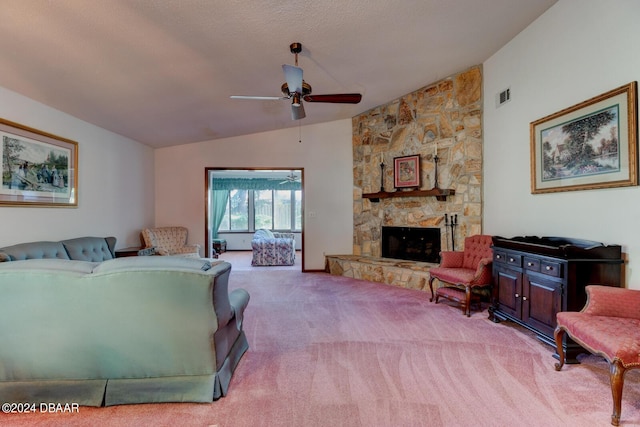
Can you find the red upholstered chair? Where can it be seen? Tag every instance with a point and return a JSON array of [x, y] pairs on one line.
[[608, 325], [462, 271]]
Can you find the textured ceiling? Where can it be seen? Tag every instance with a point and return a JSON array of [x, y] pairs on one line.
[[161, 71]]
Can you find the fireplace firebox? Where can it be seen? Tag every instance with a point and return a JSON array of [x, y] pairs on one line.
[[411, 243]]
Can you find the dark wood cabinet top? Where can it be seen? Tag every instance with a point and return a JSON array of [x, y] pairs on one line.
[[561, 247]]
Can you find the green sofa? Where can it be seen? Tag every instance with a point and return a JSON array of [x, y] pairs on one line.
[[126, 330], [88, 248]]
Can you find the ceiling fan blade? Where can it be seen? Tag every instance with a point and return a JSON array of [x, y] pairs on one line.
[[338, 98], [267, 98], [297, 113], [293, 76]]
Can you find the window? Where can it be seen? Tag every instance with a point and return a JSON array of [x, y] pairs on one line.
[[249, 210]]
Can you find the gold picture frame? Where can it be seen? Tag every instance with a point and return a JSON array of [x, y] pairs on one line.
[[588, 146], [38, 169]]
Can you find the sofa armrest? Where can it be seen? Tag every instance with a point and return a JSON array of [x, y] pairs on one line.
[[451, 259], [612, 302], [239, 299]]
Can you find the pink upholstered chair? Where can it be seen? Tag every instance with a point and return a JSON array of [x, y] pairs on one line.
[[463, 271], [608, 325]]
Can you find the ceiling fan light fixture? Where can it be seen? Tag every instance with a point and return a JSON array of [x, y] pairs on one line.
[[296, 100]]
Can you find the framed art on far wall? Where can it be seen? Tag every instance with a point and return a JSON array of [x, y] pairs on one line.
[[38, 168], [406, 171], [590, 145]]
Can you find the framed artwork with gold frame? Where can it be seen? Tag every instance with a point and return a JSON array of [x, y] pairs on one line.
[[587, 146], [38, 168]]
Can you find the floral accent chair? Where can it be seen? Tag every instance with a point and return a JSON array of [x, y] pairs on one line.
[[271, 248], [608, 325], [169, 241]]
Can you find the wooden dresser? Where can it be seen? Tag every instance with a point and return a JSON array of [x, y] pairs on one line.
[[534, 278]]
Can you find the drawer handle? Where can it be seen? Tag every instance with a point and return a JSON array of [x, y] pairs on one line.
[[530, 264], [517, 295], [511, 259], [524, 298], [498, 256], [549, 268]]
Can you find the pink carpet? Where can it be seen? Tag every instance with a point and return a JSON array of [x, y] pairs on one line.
[[333, 351]]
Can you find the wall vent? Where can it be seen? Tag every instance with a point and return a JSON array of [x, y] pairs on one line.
[[503, 97]]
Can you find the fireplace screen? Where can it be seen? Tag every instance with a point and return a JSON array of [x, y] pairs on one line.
[[411, 243]]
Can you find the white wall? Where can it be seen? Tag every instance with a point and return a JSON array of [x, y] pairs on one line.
[[115, 182], [576, 50], [325, 154]]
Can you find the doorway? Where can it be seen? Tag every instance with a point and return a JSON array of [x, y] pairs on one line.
[[240, 201]]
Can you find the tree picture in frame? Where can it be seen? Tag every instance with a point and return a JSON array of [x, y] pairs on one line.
[[590, 145]]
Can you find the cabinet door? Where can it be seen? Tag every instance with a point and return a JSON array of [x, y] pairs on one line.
[[541, 301], [509, 290]]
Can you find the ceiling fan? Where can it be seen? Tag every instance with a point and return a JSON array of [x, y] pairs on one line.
[[292, 177], [298, 90]]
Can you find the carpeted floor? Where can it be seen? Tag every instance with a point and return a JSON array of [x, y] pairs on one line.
[[241, 261], [333, 351]]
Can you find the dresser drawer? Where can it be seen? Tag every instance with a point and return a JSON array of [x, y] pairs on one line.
[[532, 264], [551, 268], [499, 256], [514, 260]]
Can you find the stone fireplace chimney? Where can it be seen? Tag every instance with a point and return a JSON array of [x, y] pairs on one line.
[[443, 118]]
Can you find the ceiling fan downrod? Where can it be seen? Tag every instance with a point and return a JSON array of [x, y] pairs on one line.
[[296, 48]]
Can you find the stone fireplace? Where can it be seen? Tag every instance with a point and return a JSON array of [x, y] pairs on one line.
[[443, 118]]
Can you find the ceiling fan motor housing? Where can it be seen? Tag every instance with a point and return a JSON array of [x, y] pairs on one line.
[[295, 48], [306, 89]]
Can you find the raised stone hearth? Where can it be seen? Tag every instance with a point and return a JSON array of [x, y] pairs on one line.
[[404, 274]]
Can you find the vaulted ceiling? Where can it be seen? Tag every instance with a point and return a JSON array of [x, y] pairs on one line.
[[161, 71]]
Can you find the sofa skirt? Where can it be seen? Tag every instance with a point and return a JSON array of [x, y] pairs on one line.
[[100, 392]]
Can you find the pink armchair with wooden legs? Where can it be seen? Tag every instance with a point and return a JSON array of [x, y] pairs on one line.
[[608, 325], [463, 271]]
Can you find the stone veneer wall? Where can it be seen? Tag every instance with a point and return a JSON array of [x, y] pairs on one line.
[[447, 113]]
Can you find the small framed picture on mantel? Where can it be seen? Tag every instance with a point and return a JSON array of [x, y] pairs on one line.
[[406, 172]]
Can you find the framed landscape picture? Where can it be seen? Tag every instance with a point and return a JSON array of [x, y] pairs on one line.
[[590, 145], [406, 172], [38, 169]]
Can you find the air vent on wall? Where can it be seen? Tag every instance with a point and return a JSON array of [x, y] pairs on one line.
[[503, 97]]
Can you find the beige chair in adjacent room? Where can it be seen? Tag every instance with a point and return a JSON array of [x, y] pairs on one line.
[[169, 241]]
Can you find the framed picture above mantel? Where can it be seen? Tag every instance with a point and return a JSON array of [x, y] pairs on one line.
[[38, 169], [406, 172], [587, 146]]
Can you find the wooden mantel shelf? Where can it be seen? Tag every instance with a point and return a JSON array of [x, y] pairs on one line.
[[439, 193]]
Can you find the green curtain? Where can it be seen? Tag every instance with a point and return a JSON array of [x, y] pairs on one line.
[[254, 184], [218, 206]]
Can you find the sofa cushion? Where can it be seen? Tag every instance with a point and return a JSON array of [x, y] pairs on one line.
[[44, 264], [36, 250], [154, 263], [454, 275], [94, 249]]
